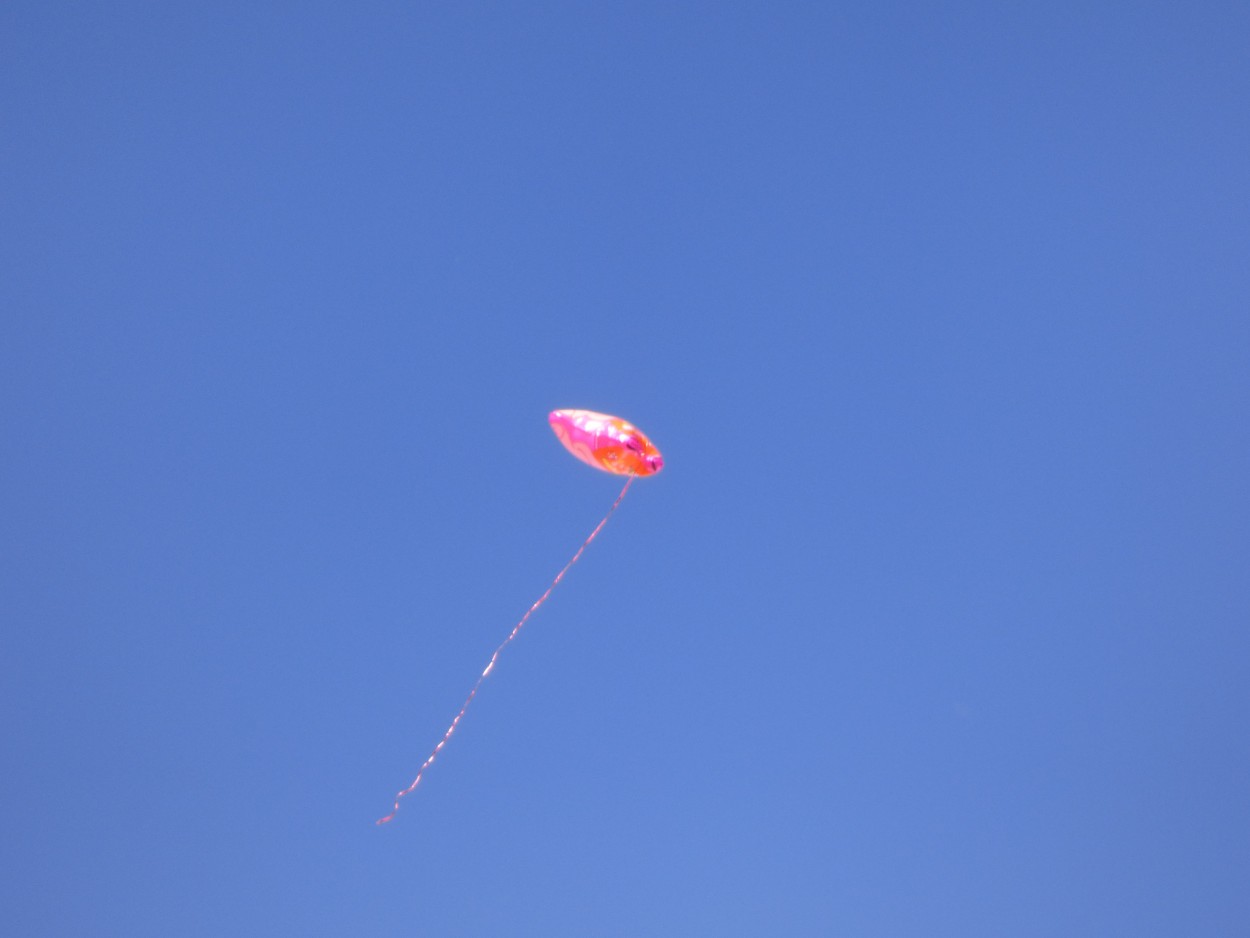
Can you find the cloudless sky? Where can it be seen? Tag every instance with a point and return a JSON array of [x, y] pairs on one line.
[[935, 623]]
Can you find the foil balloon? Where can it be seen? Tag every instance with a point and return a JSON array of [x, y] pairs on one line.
[[599, 440], [606, 442]]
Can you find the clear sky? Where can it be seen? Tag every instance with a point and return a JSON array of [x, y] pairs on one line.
[[935, 623]]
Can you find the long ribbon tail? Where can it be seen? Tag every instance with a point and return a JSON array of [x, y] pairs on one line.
[[516, 629]]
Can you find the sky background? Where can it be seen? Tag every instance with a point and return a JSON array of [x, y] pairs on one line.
[[935, 623]]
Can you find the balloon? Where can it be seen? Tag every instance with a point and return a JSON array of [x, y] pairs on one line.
[[606, 442]]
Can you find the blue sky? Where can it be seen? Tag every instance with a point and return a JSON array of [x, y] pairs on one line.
[[935, 622]]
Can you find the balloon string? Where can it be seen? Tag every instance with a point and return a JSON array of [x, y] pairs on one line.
[[495, 657]]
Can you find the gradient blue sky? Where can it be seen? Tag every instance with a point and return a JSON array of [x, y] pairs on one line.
[[935, 623]]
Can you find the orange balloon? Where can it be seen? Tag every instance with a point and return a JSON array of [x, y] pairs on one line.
[[606, 442]]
